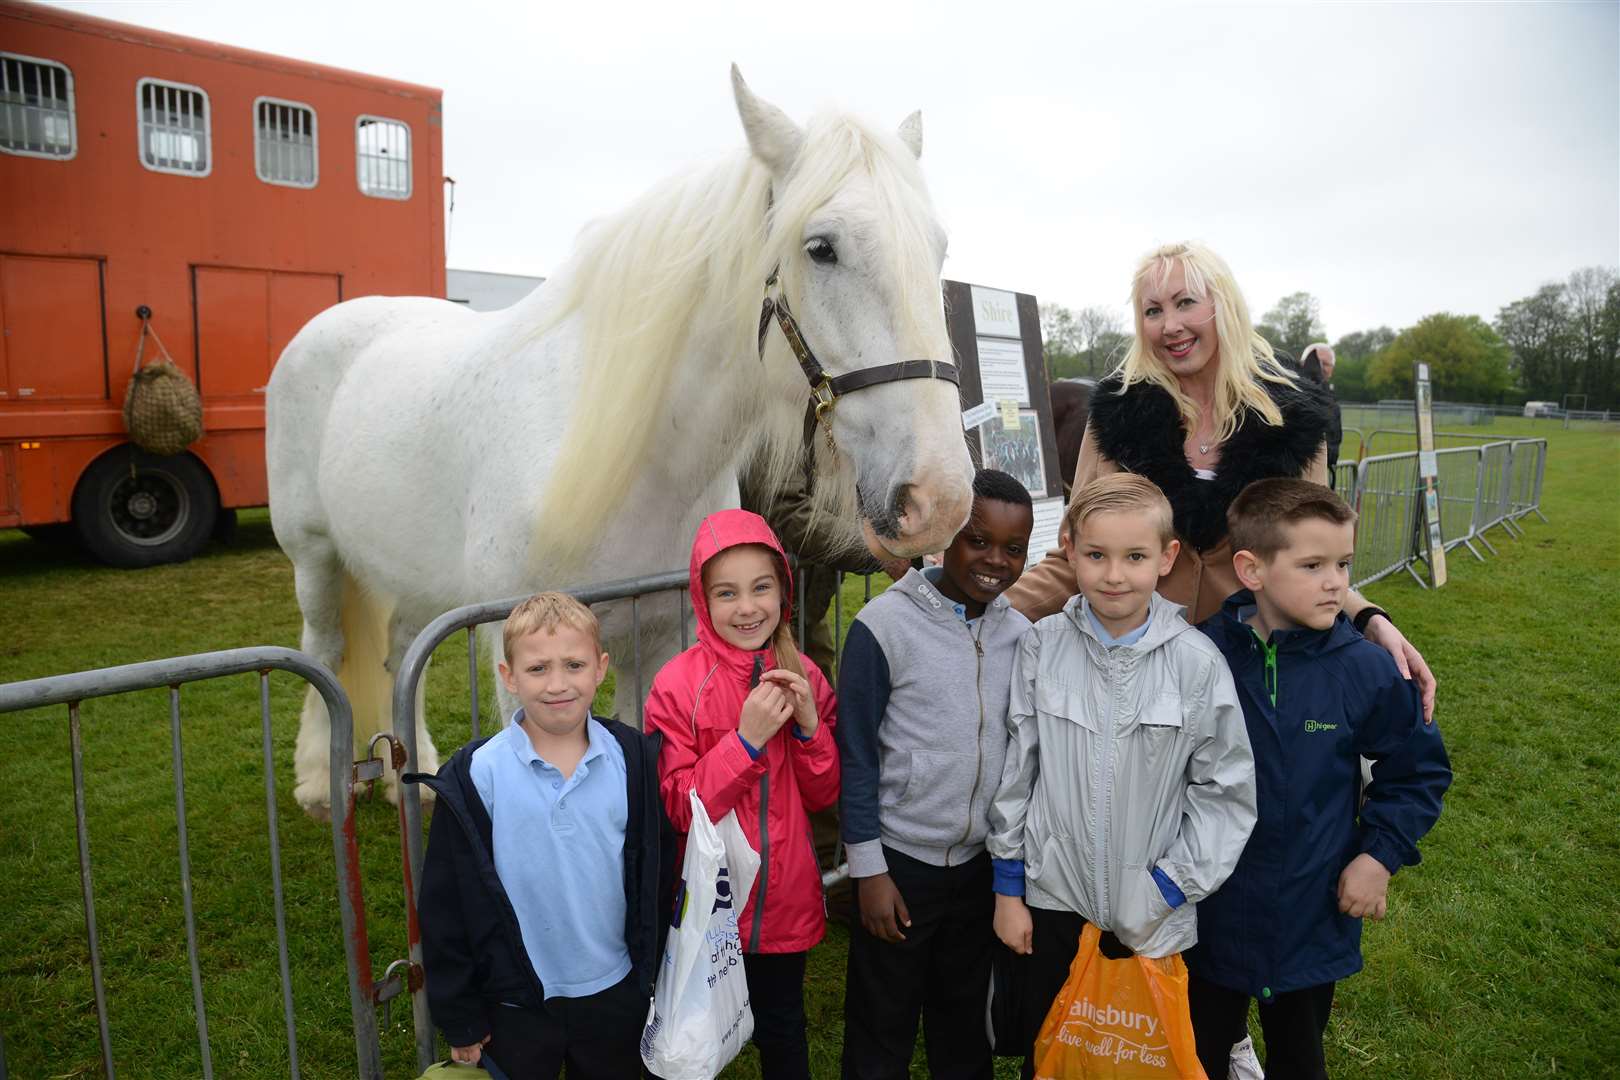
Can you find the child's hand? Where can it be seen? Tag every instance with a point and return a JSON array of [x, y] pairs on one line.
[[1364, 888], [764, 711], [469, 1054], [804, 702], [883, 910], [1013, 924]]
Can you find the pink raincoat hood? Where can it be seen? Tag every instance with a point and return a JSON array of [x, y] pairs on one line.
[[717, 533]]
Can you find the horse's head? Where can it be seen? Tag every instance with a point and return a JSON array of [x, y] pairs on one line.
[[854, 238]]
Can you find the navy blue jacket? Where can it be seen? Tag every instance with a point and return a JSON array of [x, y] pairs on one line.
[[472, 950], [1275, 925]]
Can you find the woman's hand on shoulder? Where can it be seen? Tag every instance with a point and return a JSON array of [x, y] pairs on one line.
[[797, 687], [1387, 636]]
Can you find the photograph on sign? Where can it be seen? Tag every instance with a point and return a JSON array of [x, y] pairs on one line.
[[995, 313], [1044, 537], [1017, 450], [1001, 370]]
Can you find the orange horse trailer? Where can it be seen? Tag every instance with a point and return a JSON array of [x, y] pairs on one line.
[[232, 195]]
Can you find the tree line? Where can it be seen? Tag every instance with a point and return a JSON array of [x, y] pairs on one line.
[[1564, 339]]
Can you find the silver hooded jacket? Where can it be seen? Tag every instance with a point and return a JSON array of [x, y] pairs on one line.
[[1119, 759]]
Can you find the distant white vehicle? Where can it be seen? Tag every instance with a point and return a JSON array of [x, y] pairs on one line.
[[1540, 408]]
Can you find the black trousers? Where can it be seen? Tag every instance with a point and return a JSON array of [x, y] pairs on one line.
[[939, 974], [596, 1037], [1055, 938], [776, 995], [1293, 1025]]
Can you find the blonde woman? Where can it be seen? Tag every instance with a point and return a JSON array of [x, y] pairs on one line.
[[1202, 407]]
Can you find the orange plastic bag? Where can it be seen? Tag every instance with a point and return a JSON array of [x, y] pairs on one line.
[[1121, 1019]]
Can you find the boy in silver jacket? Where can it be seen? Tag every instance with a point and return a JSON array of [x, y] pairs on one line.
[[1128, 790]]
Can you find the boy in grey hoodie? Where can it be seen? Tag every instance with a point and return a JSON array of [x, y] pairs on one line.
[[922, 706], [1128, 790]]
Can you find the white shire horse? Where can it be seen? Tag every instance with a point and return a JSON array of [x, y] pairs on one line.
[[422, 456]]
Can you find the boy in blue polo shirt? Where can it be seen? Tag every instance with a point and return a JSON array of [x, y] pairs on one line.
[[548, 865], [1317, 697]]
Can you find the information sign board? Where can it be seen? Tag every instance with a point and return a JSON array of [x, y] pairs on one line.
[[1007, 413]]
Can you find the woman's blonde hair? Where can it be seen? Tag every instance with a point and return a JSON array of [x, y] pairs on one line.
[[1240, 371]]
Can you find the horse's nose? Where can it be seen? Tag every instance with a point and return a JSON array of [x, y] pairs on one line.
[[929, 511]]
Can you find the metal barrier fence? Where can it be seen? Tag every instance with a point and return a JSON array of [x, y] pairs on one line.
[[1386, 500], [1529, 458], [1480, 488], [1495, 489], [72, 690], [1456, 481]]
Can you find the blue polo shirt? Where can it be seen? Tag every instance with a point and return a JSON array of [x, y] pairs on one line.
[[559, 852]]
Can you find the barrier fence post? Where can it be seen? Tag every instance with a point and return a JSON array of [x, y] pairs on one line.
[[82, 827], [276, 892], [185, 883]]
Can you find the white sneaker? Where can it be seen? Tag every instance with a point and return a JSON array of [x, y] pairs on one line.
[[1244, 1064]]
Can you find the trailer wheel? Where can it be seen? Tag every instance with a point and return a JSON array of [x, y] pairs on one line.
[[135, 509]]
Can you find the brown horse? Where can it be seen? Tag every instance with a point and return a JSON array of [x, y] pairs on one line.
[[1071, 404]]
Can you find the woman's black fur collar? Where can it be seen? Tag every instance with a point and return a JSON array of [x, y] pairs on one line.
[[1140, 431]]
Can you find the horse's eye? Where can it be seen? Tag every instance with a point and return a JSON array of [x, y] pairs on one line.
[[821, 250]]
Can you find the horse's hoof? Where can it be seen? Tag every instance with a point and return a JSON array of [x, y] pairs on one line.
[[319, 812]]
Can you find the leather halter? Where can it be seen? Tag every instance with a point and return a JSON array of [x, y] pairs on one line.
[[825, 389]]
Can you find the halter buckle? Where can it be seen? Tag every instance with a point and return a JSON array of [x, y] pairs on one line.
[[824, 399]]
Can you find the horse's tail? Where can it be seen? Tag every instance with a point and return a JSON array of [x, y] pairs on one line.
[[364, 672]]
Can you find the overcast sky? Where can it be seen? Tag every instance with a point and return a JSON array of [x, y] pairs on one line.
[[1392, 159]]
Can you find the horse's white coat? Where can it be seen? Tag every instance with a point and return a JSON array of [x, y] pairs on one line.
[[422, 456]]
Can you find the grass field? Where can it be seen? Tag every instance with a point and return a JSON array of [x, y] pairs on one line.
[[1501, 957]]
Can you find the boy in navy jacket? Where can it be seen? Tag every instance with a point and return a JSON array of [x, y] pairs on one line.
[[1317, 697], [545, 889]]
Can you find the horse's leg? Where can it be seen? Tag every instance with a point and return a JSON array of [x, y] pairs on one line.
[[318, 582], [402, 630]]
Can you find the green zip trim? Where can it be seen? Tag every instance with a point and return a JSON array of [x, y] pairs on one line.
[[1271, 665]]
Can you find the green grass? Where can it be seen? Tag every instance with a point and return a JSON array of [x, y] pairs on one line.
[[1501, 957]]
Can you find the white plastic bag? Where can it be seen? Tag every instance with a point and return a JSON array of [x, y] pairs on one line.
[[699, 1017]]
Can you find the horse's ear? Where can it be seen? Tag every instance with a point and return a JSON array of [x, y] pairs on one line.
[[911, 133], [773, 138]]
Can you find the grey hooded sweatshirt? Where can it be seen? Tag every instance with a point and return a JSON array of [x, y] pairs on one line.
[[922, 713], [1121, 759]]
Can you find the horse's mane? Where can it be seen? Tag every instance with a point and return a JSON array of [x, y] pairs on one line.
[[690, 257]]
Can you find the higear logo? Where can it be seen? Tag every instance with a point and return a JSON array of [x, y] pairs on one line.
[[1317, 725]]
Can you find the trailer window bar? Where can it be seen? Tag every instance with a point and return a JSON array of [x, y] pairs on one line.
[[36, 108], [174, 127], [284, 143], [383, 157]]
